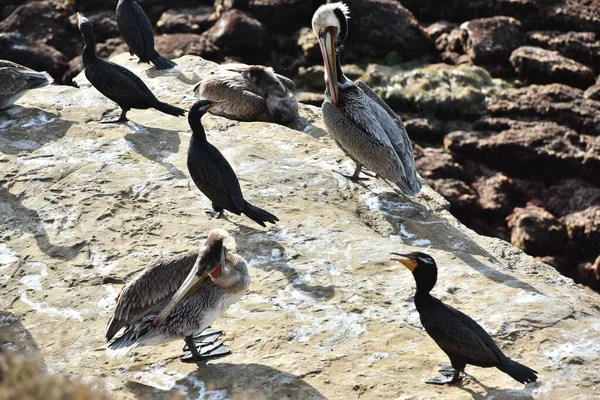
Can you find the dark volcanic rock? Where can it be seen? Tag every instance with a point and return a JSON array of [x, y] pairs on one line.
[[583, 228], [531, 150], [490, 41], [424, 130], [438, 164], [437, 29], [40, 57], [583, 47], [179, 44], [536, 231], [495, 195], [570, 196], [593, 92], [402, 34], [558, 103], [45, 22], [240, 36], [450, 10], [186, 20], [536, 65], [460, 196], [105, 25]]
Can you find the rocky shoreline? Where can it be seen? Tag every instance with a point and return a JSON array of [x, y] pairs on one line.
[[502, 98]]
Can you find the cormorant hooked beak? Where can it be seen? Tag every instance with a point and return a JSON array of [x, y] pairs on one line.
[[408, 260], [189, 286], [327, 37]]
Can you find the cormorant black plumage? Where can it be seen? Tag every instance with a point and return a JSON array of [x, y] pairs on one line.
[[213, 175], [137, 32], [116, 82], [458, 335]]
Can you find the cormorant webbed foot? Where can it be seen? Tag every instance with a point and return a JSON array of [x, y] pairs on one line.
[[122, 118], [213, 213], [450, 376]]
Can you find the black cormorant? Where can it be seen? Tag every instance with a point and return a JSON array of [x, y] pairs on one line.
[[16, 80], [358, 120], [459, 336], [137, 32], [116, 82], [214, 176]]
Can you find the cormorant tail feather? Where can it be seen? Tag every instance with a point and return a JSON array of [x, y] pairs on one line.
[[169, 109], [518, 372], [259, 215], [162, 63]]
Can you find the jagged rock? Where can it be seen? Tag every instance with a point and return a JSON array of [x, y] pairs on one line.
[[437, 29], [536, 150], [240, 36], [105, 25], [536, 231], [424, 130], [495, 195], [186, 20], [593, 92], [584, 230], [570, 196], [458, 193], [438, 164], [40, 57], [558, 103], [86, 205], [583, 47], [449, 10], [537, 65], [490, 41], [178, 44]]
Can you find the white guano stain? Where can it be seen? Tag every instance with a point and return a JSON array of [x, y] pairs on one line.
[[67, 313]]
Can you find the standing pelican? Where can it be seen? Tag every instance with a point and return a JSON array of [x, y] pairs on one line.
[[173, 300], [361, 124], [16, 80]]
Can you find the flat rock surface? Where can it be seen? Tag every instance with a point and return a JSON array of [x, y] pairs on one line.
[[85, 206]]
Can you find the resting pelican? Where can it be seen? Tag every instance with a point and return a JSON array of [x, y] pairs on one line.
[[173, 299], [361, 124], [16, 80]]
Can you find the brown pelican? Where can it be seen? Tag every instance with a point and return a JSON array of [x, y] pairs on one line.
[[174, 299], [253, 93], [16, 80], [361, 124]]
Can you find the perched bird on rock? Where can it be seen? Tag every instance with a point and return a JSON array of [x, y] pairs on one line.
[[179, 298], [116, 82], [16, 80], [137, 32], [213, 175], [459, 336], [358, 120], [253, 93]]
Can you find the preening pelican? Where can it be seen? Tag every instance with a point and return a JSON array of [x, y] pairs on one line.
[[180, 298], [358, 120]]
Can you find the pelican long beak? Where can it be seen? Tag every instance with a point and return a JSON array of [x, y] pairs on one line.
[[327, 37], [407, 260]]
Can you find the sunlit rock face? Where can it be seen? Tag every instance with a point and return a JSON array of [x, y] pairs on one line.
[[85, 206]]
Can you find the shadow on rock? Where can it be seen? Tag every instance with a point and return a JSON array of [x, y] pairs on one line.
[[422, 228], [16, 216], [156, 145], [267, 254], [500, 394], [27, 129], [237, 381]]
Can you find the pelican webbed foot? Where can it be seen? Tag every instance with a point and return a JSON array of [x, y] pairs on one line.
[[203, 353], [356, 175]]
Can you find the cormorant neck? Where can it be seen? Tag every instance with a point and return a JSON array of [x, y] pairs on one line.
[[194, 118], [89, 49], [425, 279]]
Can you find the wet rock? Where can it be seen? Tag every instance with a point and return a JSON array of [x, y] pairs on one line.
[[536, 65], [495, 195], [45, 22], [583, 228], [403, 38], [583, 47], [561, 104], [424, 130], [240, 36], [186, 20], [536, 231], [536, 150], [438, 90], [438, 164], [490, 41], [40, 57]]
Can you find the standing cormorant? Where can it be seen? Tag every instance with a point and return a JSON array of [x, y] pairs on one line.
[[253, 93], [461, 338], [213, 175], [173, 300], [16, 80], [137, 32], [116, 82], [358, 120]]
